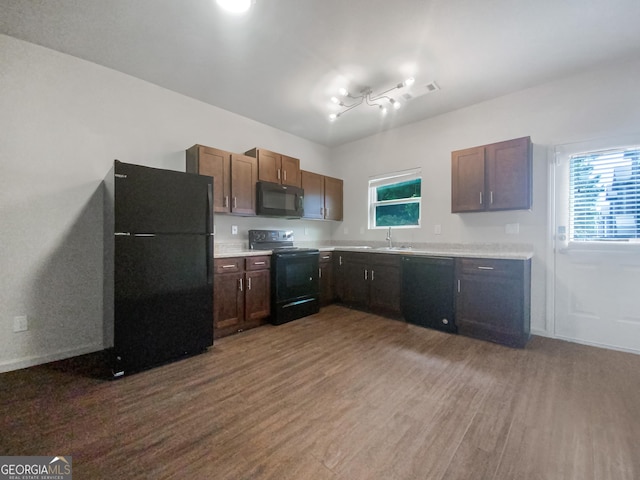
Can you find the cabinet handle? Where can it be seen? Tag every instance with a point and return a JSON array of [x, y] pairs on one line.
[[340, 260], [235, 202], [458, 286], [491, 197], [485, 268], [285, 175], [319, 273], [260, 263], [321, 211], [480, 198], [225, 201], [278, 174], [229, 266], [249, 283], [366, 274], [241, 287], [372, 275], [326, 257]]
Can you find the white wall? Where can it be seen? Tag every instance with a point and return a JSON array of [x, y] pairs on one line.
[[600, 103], [62, 122]]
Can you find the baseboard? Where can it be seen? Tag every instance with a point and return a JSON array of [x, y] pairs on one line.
[[541, 333], [52, 357]]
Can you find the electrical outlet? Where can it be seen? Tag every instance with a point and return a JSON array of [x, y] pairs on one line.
[[20, 323], [437, 229], [306, 231], [512, 228], [345, 230], [361, 230], [234, 229]]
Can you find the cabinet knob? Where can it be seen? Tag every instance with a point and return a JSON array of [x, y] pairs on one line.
[[445, 321]]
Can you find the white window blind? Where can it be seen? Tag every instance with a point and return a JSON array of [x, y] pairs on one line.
[[604, 195]]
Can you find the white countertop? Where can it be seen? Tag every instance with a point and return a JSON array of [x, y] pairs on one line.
[[496, 251]]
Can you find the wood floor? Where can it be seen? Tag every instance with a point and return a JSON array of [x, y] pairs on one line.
[[341, 395]]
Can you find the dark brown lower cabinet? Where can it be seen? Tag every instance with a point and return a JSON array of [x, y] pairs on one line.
[[493, 300], [327, 290], [371, 281], [241, 293]]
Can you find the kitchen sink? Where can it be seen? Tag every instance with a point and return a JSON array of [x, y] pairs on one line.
[[394, 249]]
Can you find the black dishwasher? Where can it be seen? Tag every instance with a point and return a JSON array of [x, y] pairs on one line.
[[427, 292]]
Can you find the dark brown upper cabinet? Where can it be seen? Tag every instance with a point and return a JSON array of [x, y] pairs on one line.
[[492, 177], [276, 168], [322, 196], [234, 178]]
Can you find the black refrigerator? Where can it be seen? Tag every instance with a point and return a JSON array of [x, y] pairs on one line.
[[158, 266]]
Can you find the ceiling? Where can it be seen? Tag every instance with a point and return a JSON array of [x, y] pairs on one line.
[[281, 63]]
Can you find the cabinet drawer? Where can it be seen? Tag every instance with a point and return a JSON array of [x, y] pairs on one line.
[[258, 263], [228, 265], [490, 266], [325, 257]]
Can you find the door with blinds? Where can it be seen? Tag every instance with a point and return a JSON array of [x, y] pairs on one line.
[[597, 243]]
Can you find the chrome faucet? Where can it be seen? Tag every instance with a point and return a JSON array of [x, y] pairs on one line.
[[389, 237]]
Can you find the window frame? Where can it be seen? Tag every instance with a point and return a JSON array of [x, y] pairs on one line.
[[388, 179]]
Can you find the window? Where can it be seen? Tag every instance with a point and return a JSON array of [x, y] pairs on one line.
[[604, 195], [394, 200]]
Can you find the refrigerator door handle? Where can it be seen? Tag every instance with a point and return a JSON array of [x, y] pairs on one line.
[[210, 208], [144, 234]]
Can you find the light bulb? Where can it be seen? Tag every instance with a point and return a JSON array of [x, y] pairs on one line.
[[335, 100], [409, 81], [383, 110], [235, 6], [396, 104], [332, 117], [343, 91]]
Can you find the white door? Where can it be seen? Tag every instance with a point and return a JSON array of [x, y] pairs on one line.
[[597, 281]]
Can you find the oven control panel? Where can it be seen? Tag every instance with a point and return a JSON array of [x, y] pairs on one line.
[[259, 238]]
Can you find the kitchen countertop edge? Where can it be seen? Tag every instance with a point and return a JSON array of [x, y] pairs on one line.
[[471, 253]]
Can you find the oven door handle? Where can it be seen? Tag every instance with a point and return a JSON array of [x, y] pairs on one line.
[[298, 302]]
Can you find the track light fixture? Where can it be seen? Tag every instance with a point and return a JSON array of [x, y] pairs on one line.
[[380, 100]]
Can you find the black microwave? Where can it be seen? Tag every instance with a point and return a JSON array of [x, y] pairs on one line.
[[279, 200]]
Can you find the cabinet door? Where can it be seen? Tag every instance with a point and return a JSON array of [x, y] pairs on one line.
[[467, 180], [228, 303], [313, 186], [355, 279], [385, 282], [326, 279], [492, 300], [508, 176], [244, 174], [333, 194], [216, 164], [268, 165], [290, 171], [338, 276], [257, 297]]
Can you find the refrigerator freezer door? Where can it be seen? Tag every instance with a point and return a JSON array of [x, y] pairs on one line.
[[151, 200], [163, 299]]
